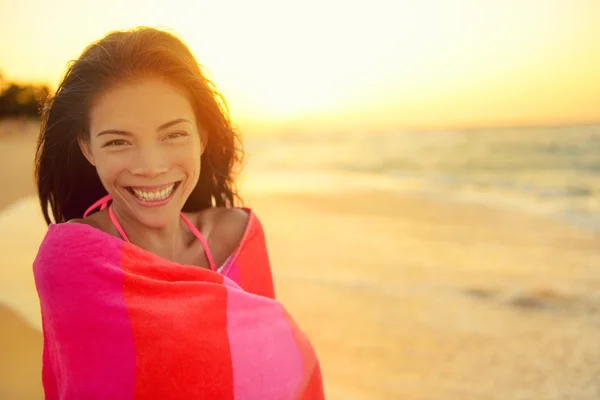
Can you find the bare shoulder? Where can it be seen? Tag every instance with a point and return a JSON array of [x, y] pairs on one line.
[[94, 220], [235, 216], [231, 221], [223, 223]]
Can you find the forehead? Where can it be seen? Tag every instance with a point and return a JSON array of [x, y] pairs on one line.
[[142, 105]]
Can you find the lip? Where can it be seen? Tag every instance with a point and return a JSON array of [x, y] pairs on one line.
[[153, 203], [154, 187]]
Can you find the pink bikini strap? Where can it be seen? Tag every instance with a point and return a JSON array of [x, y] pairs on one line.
[[103, 202], [115, 222], [200, 237]]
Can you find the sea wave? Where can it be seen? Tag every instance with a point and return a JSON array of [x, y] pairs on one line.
[[550, 170]]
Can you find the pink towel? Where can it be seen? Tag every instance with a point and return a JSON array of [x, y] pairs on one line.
[[122, 323]]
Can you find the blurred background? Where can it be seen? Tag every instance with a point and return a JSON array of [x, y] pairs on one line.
[[428, 175]]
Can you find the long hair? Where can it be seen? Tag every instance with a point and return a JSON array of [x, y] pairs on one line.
[[67, 183]]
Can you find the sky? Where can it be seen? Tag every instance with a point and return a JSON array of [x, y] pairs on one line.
[[325, 64]]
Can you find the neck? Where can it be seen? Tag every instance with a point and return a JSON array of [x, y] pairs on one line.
[[167, 241]]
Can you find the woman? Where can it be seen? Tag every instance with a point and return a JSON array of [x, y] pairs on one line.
[[152, 284]]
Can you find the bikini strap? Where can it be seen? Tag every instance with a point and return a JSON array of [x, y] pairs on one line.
[[116, 223], [103, 202], [202, 240]]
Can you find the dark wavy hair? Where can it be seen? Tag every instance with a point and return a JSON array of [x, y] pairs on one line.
[[67, 183]]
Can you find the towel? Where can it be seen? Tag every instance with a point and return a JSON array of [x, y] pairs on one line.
[[120, 322]]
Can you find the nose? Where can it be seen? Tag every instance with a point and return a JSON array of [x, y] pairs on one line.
[[150, 161]]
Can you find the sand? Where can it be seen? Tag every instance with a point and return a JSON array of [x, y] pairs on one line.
[[403, 297]]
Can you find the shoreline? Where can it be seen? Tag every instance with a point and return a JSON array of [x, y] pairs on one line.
[[335, 181]]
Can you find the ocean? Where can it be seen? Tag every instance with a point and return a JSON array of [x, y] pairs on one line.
[[552, 171]]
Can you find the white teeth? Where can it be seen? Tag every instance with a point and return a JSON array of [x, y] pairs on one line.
[[152, 196]]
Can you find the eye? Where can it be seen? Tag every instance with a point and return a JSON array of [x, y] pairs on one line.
[[118, 142], [175, 135]]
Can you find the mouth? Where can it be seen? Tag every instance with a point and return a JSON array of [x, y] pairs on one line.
[[154, 195]]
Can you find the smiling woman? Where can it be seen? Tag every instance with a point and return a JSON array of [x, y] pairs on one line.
[[145, 143], [166, 291]]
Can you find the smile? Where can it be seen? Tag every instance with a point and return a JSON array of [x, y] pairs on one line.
[[154, 193]]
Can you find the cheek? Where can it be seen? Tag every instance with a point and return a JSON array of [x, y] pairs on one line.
[[188, 157], [110, 167]]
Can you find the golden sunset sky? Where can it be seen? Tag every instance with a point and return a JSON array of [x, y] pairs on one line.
[[360, 64]]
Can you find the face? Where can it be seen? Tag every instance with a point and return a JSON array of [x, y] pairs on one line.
[[146, 147]]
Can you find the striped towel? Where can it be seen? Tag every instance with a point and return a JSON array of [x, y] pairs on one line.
[[122, 323]]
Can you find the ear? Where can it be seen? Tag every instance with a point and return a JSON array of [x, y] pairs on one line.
[[84, 145]]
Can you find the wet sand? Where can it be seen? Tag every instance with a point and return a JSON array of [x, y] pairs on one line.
[[413, 299], [402, 297], [20, 347]]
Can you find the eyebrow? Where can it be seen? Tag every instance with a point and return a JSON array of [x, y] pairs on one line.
[[160, 128]]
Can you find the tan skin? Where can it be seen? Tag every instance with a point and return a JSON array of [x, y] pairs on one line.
[[144, 134]]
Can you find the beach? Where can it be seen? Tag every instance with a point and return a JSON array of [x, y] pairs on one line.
[[403, 296]]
